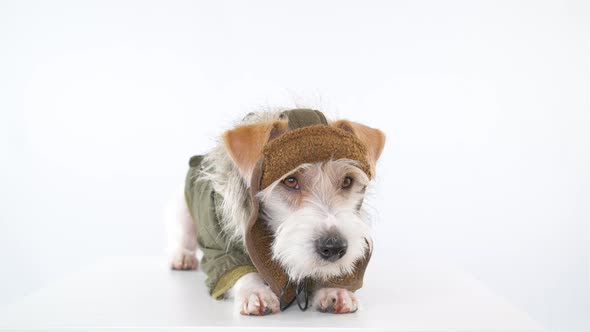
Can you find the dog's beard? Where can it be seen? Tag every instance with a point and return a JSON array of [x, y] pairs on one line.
[[295, 237], [300, 220]]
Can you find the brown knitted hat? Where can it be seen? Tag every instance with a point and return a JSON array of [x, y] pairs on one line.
[[309, 145], [281, 155]]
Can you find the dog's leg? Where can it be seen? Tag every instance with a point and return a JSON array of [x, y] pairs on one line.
[[335, 300], [252, 296], [182, 235]]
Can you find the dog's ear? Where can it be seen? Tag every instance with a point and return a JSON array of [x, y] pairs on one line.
[[373, 138], [245, 143]]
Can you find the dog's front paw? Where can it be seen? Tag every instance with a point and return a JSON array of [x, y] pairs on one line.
[[184, 261], [335, 301], [259, 302]]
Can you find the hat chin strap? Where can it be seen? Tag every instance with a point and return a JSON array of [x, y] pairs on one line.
[[302, 289]]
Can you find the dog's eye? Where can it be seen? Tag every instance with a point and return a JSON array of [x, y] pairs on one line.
[[347, 182], [291, 182]]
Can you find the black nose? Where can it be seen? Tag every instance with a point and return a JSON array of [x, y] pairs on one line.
[[331, 247]]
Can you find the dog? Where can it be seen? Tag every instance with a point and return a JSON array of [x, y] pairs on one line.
[[312, 212]]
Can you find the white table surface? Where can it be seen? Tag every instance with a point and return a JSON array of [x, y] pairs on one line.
[[137, 292]]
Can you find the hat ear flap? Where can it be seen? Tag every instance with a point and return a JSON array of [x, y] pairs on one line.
[[374, 139], [246, 143]]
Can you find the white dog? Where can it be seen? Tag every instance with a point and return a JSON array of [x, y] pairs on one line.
[[314, 212]]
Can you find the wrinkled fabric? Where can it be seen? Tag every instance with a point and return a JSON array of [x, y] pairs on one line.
[[223, 262]]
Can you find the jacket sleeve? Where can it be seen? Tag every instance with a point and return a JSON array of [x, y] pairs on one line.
[[223, 262]]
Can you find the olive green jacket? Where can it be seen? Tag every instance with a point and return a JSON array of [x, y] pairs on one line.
[[223, 262]]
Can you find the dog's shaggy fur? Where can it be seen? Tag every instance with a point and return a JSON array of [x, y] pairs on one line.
[[298, 218], [229, 183], [319, 208]]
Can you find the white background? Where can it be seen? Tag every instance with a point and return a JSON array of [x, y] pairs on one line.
[[485, 106]]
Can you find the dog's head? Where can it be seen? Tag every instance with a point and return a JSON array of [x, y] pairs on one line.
[[314, 209]]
